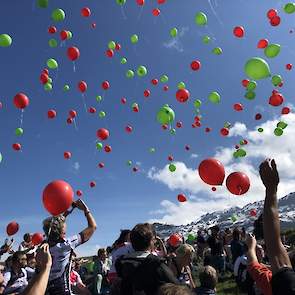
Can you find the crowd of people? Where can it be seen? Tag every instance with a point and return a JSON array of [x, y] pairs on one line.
[[141, 263]]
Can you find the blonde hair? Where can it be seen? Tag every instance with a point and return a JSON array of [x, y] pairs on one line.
[[208, 277], [53, 227], [184, 249]]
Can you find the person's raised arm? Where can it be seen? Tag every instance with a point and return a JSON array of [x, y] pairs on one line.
[[162, 246], [271, 224], [251, 253], [38, 284], [90, 229]]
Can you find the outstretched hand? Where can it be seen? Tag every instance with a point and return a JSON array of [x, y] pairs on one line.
[[269, 174], [81, 205], [43, 257], [251, 242]]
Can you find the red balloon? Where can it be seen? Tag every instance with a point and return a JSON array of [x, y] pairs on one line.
[[238, 183], [100, 165], [182, 95], [164, 126], [92, 110], [140, 2], [52, 30], [258, 117], [37, 239], [21, 101], [1, 105], [181, 198], [289, 67], [128, 129], [135, 169], [213, 189], [179, 124], [166, 88], [239, 32], [276, 99], [63, 35], [105, 85], [161, 1], [92, 184], [82, 86], [207, 129], [79, 193], [109, 53], [156, 12], [195, 65], [73, 53], [45, 71], [224, 131], [238, 107], [271, 13], [93, 25], [170, 158], [275, 21], [73, 114], [155, 81], [12, 228], [146, 93], [17, 146], [107, 148], [69, 120], [211, 171], [175, 240], [123, 100], [285, 111], [187, 147], [85, 11], [253, 213], [51, 114], [245, 82], [57, 197], [135, 108], [118, 47], [44, 78], [263, 43], [67, 155], [102, 133]]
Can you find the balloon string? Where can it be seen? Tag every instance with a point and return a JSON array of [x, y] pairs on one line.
[[123, 13], [214, 12], [84, 102], [21, 117]]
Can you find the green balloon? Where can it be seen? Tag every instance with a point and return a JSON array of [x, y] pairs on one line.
[[5, 40], [99, 145], [164, 79], [214, 97], [201, 19], [235, 155], [260, 130], [152, 150], [289, 8], [58, 15], [48, 86], [121, 2], [19, 131], [98, 98], [165, 115], [112, 45], [257, 68], [197, 103], [282, 125], [234, 218], [43, 3], [52, 43], [1, 157], [217, 51], [276, 80], [191, 238], [173, 32], [52, 64], [172, 168], [272, 50], [181, 85], [123, 60], [206, 39], [66, 88], [70, 35], [251, 85], [49, 80], [101, 114], [173, 131], [129, 74], [241, 153], [227, 125], [141, 71], [129, 163], [278, 132], [134, 39], [250, 95]]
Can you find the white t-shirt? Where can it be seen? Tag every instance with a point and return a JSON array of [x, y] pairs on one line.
[[240, 260], [61, 256], [126, 249]]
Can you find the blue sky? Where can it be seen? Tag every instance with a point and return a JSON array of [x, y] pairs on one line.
[[122, 198]]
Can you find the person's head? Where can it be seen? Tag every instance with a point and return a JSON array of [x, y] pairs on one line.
[[171, 289], [142, 236], [55, 228], [184, 254], [31, 261], [102, 254], [124, 237], [27, 238], [236, 234], [208, 277], [215, 230], [260, 253], [109, 250], [19, 259]]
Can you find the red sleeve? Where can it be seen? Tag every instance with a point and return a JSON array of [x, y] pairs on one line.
[[262, 277]]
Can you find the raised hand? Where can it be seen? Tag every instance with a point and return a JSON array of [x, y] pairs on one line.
[[269, 174]]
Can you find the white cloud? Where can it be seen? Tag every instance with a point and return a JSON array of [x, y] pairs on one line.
[[261, 146], [238, 129], [175, 43]]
